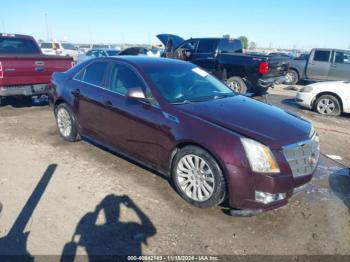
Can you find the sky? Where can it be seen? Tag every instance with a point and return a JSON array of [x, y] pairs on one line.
[[303, 24]]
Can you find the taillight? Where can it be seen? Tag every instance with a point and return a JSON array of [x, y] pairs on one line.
[[72, 64], [1, 71], [264, 67]]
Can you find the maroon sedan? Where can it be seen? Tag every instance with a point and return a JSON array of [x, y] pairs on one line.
[[177, 119]]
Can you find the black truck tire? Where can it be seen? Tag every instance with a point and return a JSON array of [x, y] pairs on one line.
[[292, 77], [237, 84]]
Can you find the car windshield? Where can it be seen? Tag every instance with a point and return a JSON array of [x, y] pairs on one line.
[[112, 52], [68, 46], [183, 84]]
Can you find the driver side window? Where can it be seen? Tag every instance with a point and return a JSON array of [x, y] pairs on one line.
[[123, 78]]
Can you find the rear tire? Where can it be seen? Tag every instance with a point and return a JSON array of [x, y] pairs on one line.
[[328, 105], [66, 123], [292, 77], [198, 178], [237, 85]]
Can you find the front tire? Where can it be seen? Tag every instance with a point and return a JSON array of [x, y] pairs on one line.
[[292, 77], [198, 178], [328, 105], [237, 84], [66, 123]]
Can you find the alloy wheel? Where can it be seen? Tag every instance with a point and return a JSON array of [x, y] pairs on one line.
[[290, 77], [235, 86], [64, 122], [326, 106], [195, 178]]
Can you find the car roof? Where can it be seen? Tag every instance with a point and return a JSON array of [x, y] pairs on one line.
[[146, 61], [16, 35]]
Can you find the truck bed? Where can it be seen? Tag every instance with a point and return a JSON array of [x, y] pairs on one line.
[[31, 69]]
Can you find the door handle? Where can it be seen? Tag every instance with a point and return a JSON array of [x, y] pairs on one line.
[[333, 65], [76, 92]]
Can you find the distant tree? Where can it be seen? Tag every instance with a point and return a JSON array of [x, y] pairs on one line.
[[252, 45], [226, 36], [244, 41]]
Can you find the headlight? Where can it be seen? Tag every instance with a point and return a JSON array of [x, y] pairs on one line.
[[260, 157], [306, 89]]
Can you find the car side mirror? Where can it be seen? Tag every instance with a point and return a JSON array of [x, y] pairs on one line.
[[136, 93]]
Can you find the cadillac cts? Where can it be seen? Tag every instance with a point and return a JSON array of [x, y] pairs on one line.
[[177, 119]]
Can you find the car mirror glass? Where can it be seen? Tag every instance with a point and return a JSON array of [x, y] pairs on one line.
[[136, 93]]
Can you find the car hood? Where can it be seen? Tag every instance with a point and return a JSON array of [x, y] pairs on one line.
[[331, 84], [268, 124]]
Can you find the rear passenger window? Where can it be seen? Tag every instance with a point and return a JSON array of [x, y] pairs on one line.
[[123, 78], [207, 45], [342, 57], [93, 74], [230, 46], [322, 56]]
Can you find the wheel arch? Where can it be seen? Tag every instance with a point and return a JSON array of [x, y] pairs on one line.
[[58, 102], [183, 144], [296, 70]]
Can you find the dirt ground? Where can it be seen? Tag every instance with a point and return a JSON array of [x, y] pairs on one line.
[[76, 198]]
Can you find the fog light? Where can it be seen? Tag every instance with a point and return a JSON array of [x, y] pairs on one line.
[[267, 198]]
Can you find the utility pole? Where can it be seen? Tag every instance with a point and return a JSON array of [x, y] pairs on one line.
[[47, 28]]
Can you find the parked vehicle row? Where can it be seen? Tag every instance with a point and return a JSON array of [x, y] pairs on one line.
[[24, 70], [97, 52], [320, 65], [224, 58], [175, 118]]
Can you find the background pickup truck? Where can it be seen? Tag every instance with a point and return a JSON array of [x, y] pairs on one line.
[[224, 58], [321, 65], [24, 70]]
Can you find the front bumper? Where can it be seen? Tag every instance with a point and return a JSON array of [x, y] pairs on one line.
[[247, 189], [27, 90], [281, 184], [268, 82], [305, 99]]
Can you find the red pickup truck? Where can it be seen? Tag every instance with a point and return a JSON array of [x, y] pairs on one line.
[[24, 70]]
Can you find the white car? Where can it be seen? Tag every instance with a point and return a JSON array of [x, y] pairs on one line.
[[327, 98], [59, 48]]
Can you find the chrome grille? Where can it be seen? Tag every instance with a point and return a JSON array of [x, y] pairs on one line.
[[303, 157]]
